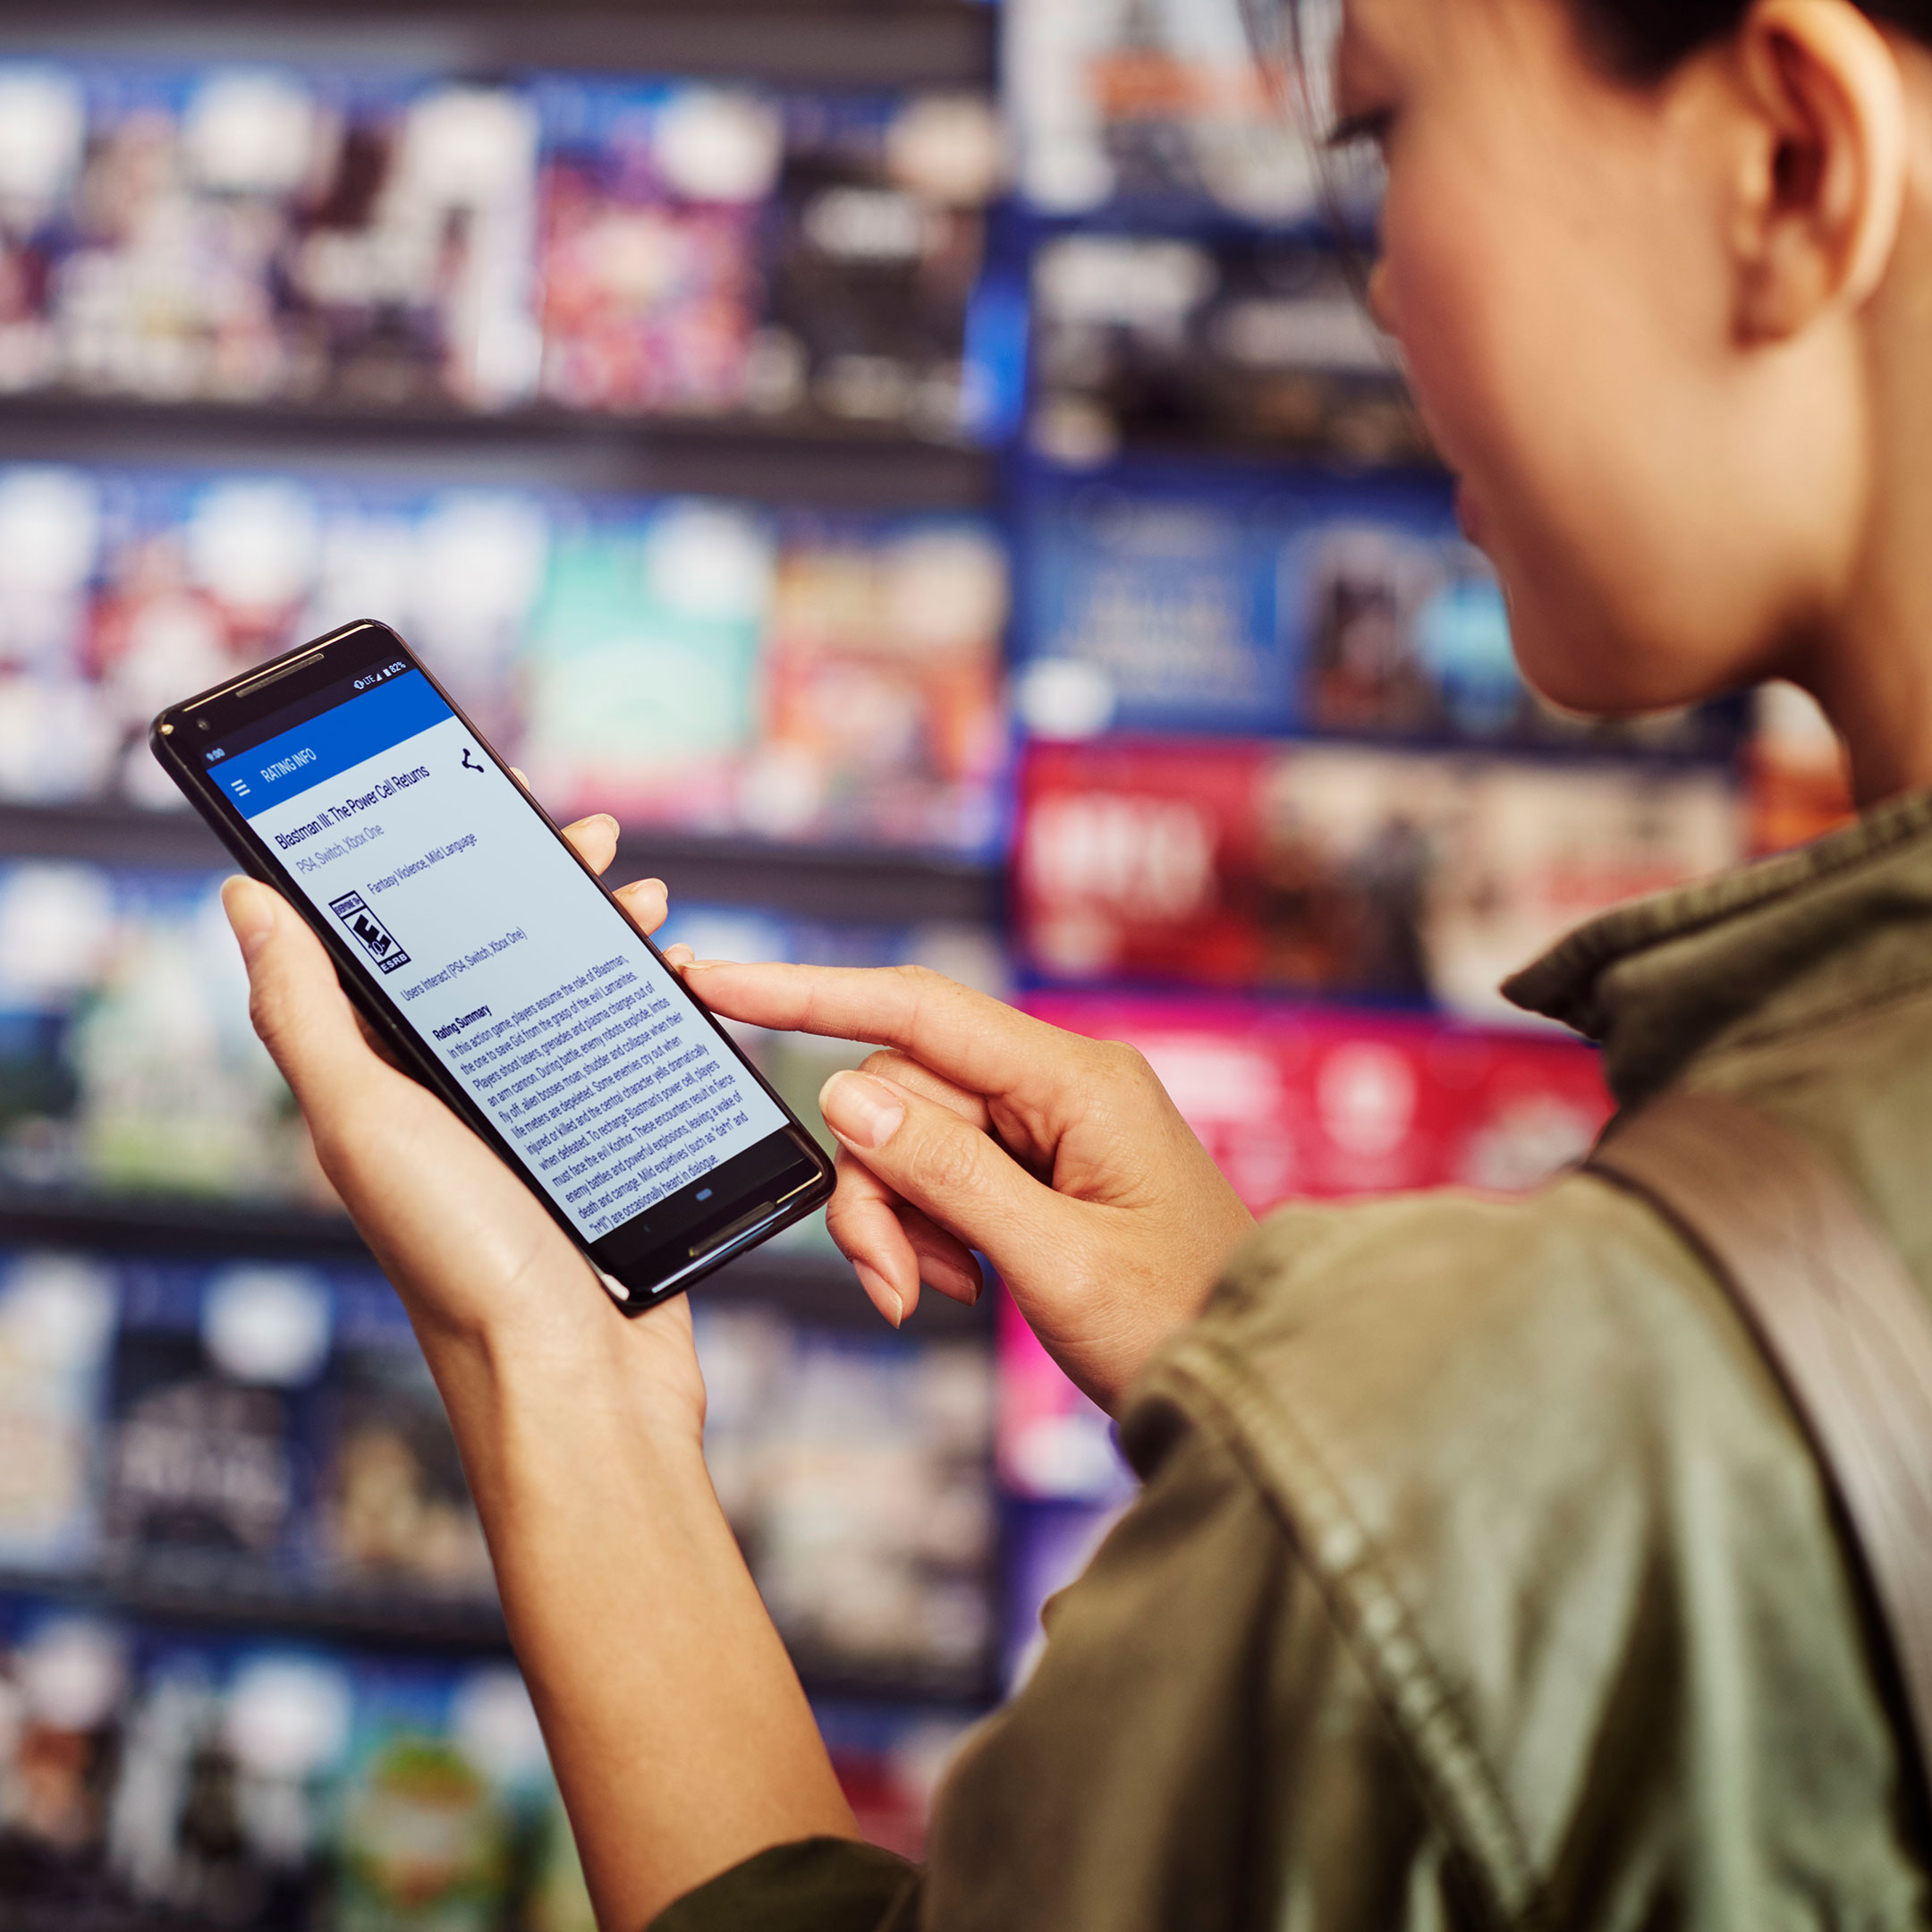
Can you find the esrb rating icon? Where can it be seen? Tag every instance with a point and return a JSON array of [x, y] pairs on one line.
[[376, 938]]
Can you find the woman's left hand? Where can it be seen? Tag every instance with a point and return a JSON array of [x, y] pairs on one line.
[[680, 1738], [482, 1267]]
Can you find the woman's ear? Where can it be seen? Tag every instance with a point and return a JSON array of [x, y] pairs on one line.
[[1820, 181]]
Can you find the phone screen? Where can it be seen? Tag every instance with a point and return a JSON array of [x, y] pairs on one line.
[[510, 964]]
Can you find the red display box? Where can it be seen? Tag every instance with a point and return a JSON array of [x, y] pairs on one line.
[[1299, 1102]]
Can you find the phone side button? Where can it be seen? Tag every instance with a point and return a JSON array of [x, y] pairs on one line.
[[732, 1230]]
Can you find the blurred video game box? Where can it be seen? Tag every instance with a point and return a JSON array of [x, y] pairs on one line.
[[1297, 1102], [1210, 340], [1402, 877], [1187, 598]]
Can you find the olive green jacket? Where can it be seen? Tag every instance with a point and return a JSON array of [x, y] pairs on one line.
[[1481, 1576]]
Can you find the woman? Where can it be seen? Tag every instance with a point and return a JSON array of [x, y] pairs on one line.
[[1481, 1574]]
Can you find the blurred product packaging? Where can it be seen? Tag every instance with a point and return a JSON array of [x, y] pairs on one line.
[[1314, 1103], [1173, 599], [855, 1473], [1151, 107], [221, 1782], [392, 1519], [57, 1318], [63, 1678], [369, 240], [210, 1442], [682, 662], [122, 590], [836, 680], [1801, 780], [642, 671], [239, 233], [652, 197], [715, 252], [146, 1777], [1232, 342], [263, 1435], [1055, 1444], [880, 231], [884, 717], [1336, 869], [127, 1062], [1301, 1102], [439, 1768]]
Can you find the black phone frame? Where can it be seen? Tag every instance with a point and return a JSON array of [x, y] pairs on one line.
[[717, 1237]]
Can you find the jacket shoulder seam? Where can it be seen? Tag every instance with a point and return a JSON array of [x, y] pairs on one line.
[[1286, 1462], [1822, 1019]]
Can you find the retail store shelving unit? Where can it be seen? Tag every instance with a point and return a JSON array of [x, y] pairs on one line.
[[819, 1292], [795, 461], [855, 883], [178, 1592], [813, 461]]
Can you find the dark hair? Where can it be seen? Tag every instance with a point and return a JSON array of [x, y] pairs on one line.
[[1646, 38]]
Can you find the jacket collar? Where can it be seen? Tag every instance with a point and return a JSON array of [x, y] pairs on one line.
[[1792, 942]]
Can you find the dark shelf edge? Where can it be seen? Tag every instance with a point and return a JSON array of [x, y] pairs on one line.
[[812, 461], [811, 1289], [848, 883], [471, 1629], [855, 884], [166, 1224], [809, 44]]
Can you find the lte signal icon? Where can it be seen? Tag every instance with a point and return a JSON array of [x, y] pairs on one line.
[[369, 932]]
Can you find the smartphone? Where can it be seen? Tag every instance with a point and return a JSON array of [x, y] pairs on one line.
[[494, 964]]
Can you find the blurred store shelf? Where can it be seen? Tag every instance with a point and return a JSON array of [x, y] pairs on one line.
[[831, 884], [811, 1288], [380, 1616], [847, 43], [385, 1619], [822, 461]]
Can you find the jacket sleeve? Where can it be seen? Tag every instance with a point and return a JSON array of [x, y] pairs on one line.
[[1197, 1747], [821, 1884]]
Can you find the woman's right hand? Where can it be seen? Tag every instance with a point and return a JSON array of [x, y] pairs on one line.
[[1060, 1159]]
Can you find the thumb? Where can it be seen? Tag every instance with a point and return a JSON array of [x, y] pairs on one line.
[[954, 1172], [297, 1003]]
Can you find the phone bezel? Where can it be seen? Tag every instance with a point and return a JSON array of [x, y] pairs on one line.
[[170, 737]]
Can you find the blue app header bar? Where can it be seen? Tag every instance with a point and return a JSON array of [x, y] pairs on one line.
[[290, 763]]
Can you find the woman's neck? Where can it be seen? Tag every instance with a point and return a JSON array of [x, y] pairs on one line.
[[1871, 667], [1882, 710]]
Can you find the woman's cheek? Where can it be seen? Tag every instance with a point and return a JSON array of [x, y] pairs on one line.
[[1437, 310], [1480, 397]]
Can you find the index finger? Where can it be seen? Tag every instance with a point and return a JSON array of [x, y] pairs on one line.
[[980, 1042]]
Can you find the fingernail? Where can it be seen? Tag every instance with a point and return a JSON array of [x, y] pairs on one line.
[[881, 1291], [251, 915], [611, 822], [862, 1110], [950, 1279], [705, 965]]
